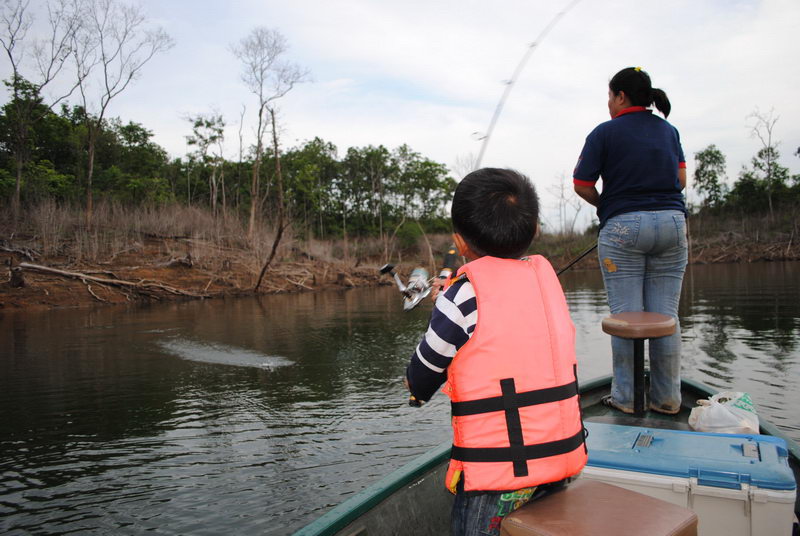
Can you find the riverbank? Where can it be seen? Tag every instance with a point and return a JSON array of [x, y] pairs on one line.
[[185, 253], [152, 271]]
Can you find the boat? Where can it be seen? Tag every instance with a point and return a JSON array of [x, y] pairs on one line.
[[415, 493]]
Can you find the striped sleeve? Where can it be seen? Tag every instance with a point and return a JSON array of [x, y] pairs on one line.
[[453, 320]]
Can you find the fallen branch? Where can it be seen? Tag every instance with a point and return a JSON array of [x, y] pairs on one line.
[[299, 283], [173, 262], [104, 272], [89, 288], [24, 252], [147, 287]]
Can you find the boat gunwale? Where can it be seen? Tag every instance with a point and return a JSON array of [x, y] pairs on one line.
[[363, 501]]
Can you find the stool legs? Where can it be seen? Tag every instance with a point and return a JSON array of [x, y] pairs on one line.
[[638, 326], [638, 377]]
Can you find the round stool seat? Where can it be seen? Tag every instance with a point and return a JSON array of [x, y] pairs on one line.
[[639, 325]]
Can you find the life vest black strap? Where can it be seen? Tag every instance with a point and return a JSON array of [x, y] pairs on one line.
[[509, 402], [514, 400], [515, 454]]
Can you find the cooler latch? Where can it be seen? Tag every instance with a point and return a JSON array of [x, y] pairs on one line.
[[751, 450], [643, 441]]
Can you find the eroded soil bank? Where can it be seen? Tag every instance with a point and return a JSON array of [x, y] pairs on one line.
[[153, 273], [160, 269]]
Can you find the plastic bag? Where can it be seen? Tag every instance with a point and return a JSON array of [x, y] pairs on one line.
[[728, 412]]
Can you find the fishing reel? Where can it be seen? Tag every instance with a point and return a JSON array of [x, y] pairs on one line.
[[417, 289], [419, 284]]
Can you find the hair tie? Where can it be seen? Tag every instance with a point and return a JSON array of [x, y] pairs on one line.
[[637, 69]]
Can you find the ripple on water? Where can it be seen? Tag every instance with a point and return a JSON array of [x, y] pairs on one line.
[[220, 354]]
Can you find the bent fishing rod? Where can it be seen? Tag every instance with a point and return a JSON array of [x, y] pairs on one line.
[[513, 80]]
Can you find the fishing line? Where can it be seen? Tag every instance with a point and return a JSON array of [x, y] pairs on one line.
[[510, 83]]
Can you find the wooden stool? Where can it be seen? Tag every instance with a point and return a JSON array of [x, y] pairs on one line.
[[639, 326], [590, 507]]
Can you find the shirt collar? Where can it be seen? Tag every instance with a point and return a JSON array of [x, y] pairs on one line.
[[633, 109]]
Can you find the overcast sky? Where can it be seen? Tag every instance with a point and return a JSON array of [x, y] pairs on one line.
[[430, 74]]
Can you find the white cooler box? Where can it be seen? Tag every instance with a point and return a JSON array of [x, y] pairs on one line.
[[739, 485]]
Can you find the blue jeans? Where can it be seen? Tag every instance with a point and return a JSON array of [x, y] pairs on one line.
[[643, 257], [481, 514]]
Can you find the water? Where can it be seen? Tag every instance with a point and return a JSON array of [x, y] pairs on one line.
[[256, 415]]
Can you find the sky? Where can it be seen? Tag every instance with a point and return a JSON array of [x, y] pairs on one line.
[[430, 74]]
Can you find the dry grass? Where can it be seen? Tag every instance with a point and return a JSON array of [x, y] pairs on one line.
[[59, 230]]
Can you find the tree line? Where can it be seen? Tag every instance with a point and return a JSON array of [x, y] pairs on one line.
[[368, 191], [763, 187], [58, 140]]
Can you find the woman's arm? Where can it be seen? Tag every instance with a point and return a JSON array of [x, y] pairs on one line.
[[590, 194]]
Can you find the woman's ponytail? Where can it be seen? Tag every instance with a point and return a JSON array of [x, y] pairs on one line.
[[659, 98], [635, 82]]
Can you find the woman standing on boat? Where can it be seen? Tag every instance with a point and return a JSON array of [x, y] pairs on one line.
[[642, 244]]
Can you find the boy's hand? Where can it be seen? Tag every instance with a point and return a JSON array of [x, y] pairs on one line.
[[412, 400], [436, 286]]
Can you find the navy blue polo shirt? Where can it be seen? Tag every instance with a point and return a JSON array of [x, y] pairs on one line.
[[638, 155]]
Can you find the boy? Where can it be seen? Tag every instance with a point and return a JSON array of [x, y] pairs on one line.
[[502, 338]]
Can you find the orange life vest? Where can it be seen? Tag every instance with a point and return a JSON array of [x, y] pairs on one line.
[[513, 386]]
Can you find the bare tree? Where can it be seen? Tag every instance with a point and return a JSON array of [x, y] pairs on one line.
[[268, 77], [567, 199], [33, 69], [464, 164], [115, 42], [281, 221], [208, 130], [761, 126], [241, 155]]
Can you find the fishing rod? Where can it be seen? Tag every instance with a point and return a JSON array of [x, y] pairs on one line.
[[576, 259], [510, 83]]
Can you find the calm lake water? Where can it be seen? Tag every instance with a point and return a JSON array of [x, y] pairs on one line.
[[254, 416]]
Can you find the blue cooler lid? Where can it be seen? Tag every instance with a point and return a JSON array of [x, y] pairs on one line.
[[719, 460]]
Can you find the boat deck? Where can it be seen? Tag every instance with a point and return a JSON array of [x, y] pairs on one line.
[[415, 491]]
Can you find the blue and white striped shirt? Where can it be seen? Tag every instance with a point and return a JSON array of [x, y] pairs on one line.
[[453, 320]]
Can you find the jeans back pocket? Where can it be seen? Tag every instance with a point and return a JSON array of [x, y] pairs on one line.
[[621, 231]]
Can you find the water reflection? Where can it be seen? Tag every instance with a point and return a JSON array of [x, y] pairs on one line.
[[165, 418]]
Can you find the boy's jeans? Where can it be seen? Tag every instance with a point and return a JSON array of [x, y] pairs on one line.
[[481, 514], [643, 257]]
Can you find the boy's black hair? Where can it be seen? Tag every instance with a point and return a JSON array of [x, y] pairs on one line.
[[637, 86], [496, 212]]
